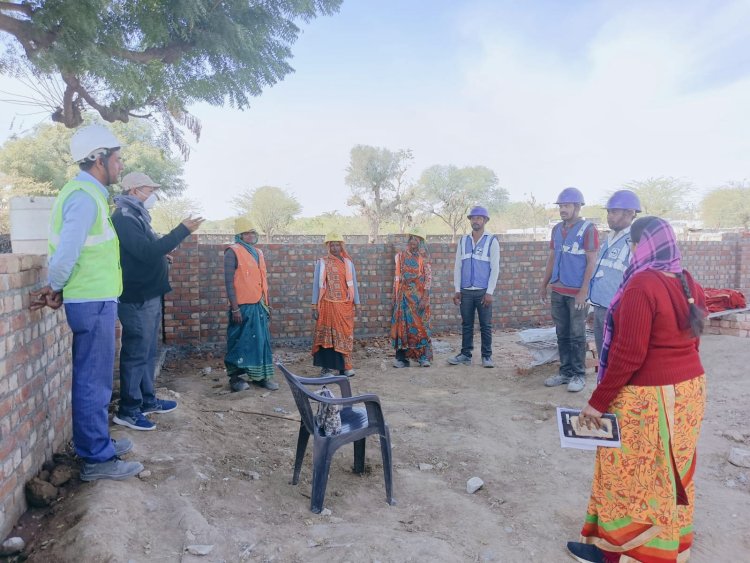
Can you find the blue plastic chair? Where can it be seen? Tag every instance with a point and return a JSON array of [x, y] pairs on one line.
[[356, 425]]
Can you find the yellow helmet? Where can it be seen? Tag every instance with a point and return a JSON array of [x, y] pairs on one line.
[[333, 237], [416, 232], [243, 225]]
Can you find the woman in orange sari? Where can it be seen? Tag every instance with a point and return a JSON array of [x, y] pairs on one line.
[[650, 376], [410, 321], [335, 295]]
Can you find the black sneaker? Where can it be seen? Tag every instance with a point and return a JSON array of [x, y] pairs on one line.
[[585, 553]]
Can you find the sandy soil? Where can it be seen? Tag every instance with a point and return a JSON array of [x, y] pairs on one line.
[[497, 424]]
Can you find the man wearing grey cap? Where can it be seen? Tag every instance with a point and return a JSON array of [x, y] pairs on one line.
[[145, 280], [475, 275]]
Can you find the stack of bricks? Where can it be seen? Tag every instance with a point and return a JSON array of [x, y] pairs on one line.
[[733, 324], [196, 311], [35, 380]]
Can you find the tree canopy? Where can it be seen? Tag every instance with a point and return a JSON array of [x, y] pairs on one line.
[[170, 212], [452, 191], [377, 178], [664, 196], [140, 58], [271, 209], [40, 163], [727, 206]]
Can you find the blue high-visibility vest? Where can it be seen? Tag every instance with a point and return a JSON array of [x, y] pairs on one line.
[[570, 254], [475, 261], [614, 259]]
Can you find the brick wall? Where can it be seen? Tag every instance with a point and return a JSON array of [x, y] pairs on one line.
[[195, 312], [35, 378]]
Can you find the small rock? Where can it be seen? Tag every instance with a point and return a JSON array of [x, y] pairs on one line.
[[742, 478], [206, 370], [160, 458], [516, 417], [11, 546], [61, 474], [44, 475], [280, 410], [474, 484], [254, 475], [335, 520], [739, 457], [145, 474], [730, 483], [265, 394], [220, 415], [325, 512], [40, 493], [198, 549], [425, 467]]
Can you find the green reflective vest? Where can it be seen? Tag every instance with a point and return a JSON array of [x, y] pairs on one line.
[[97, 273]]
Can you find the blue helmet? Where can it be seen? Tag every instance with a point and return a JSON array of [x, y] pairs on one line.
[[478, 211], [570, 195], [624, 199]]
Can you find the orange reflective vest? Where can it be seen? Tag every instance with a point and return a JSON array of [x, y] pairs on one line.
[[250, 283]]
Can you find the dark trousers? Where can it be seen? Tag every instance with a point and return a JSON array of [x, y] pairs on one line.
[[471, 303], [93, 327], [600, 319], [140, 339], [570, 326]]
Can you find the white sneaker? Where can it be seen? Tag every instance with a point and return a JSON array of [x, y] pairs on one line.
[[576, 384]]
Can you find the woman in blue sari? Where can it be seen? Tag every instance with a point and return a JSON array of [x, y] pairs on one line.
[[248, 354]]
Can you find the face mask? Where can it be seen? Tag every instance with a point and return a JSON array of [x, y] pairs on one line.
[[150, 201]]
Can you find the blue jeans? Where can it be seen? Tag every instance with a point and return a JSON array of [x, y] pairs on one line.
[[570, 326], [140, 339], [93, 327], [471, 302]]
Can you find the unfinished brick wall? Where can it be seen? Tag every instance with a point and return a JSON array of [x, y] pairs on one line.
[[196, 311], [35, 379]]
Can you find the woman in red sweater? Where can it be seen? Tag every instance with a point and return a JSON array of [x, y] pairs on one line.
[[651, 377]]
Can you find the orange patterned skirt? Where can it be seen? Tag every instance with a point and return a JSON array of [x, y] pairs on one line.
[[642, 495], [335, 328]]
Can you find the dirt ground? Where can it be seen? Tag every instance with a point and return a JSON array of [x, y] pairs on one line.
[[497, 424]]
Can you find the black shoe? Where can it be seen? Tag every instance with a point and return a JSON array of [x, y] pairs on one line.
[[238, 384], [267, 384], [585, 553]]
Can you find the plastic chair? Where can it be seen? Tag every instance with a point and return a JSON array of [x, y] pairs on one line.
[[356, 425]]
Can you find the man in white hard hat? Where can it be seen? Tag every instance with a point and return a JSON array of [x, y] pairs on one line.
[[84, 273], [145, 280]]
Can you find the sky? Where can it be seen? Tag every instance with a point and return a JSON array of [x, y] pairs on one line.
[[548, 94]]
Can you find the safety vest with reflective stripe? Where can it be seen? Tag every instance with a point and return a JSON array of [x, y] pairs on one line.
[[614, 259], [475, 261], [570, 254], [97, 273]]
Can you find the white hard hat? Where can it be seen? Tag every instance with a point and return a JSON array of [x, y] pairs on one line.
[[89, 142]]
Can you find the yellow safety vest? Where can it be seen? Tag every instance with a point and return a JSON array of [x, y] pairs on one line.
[[97, 273]]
